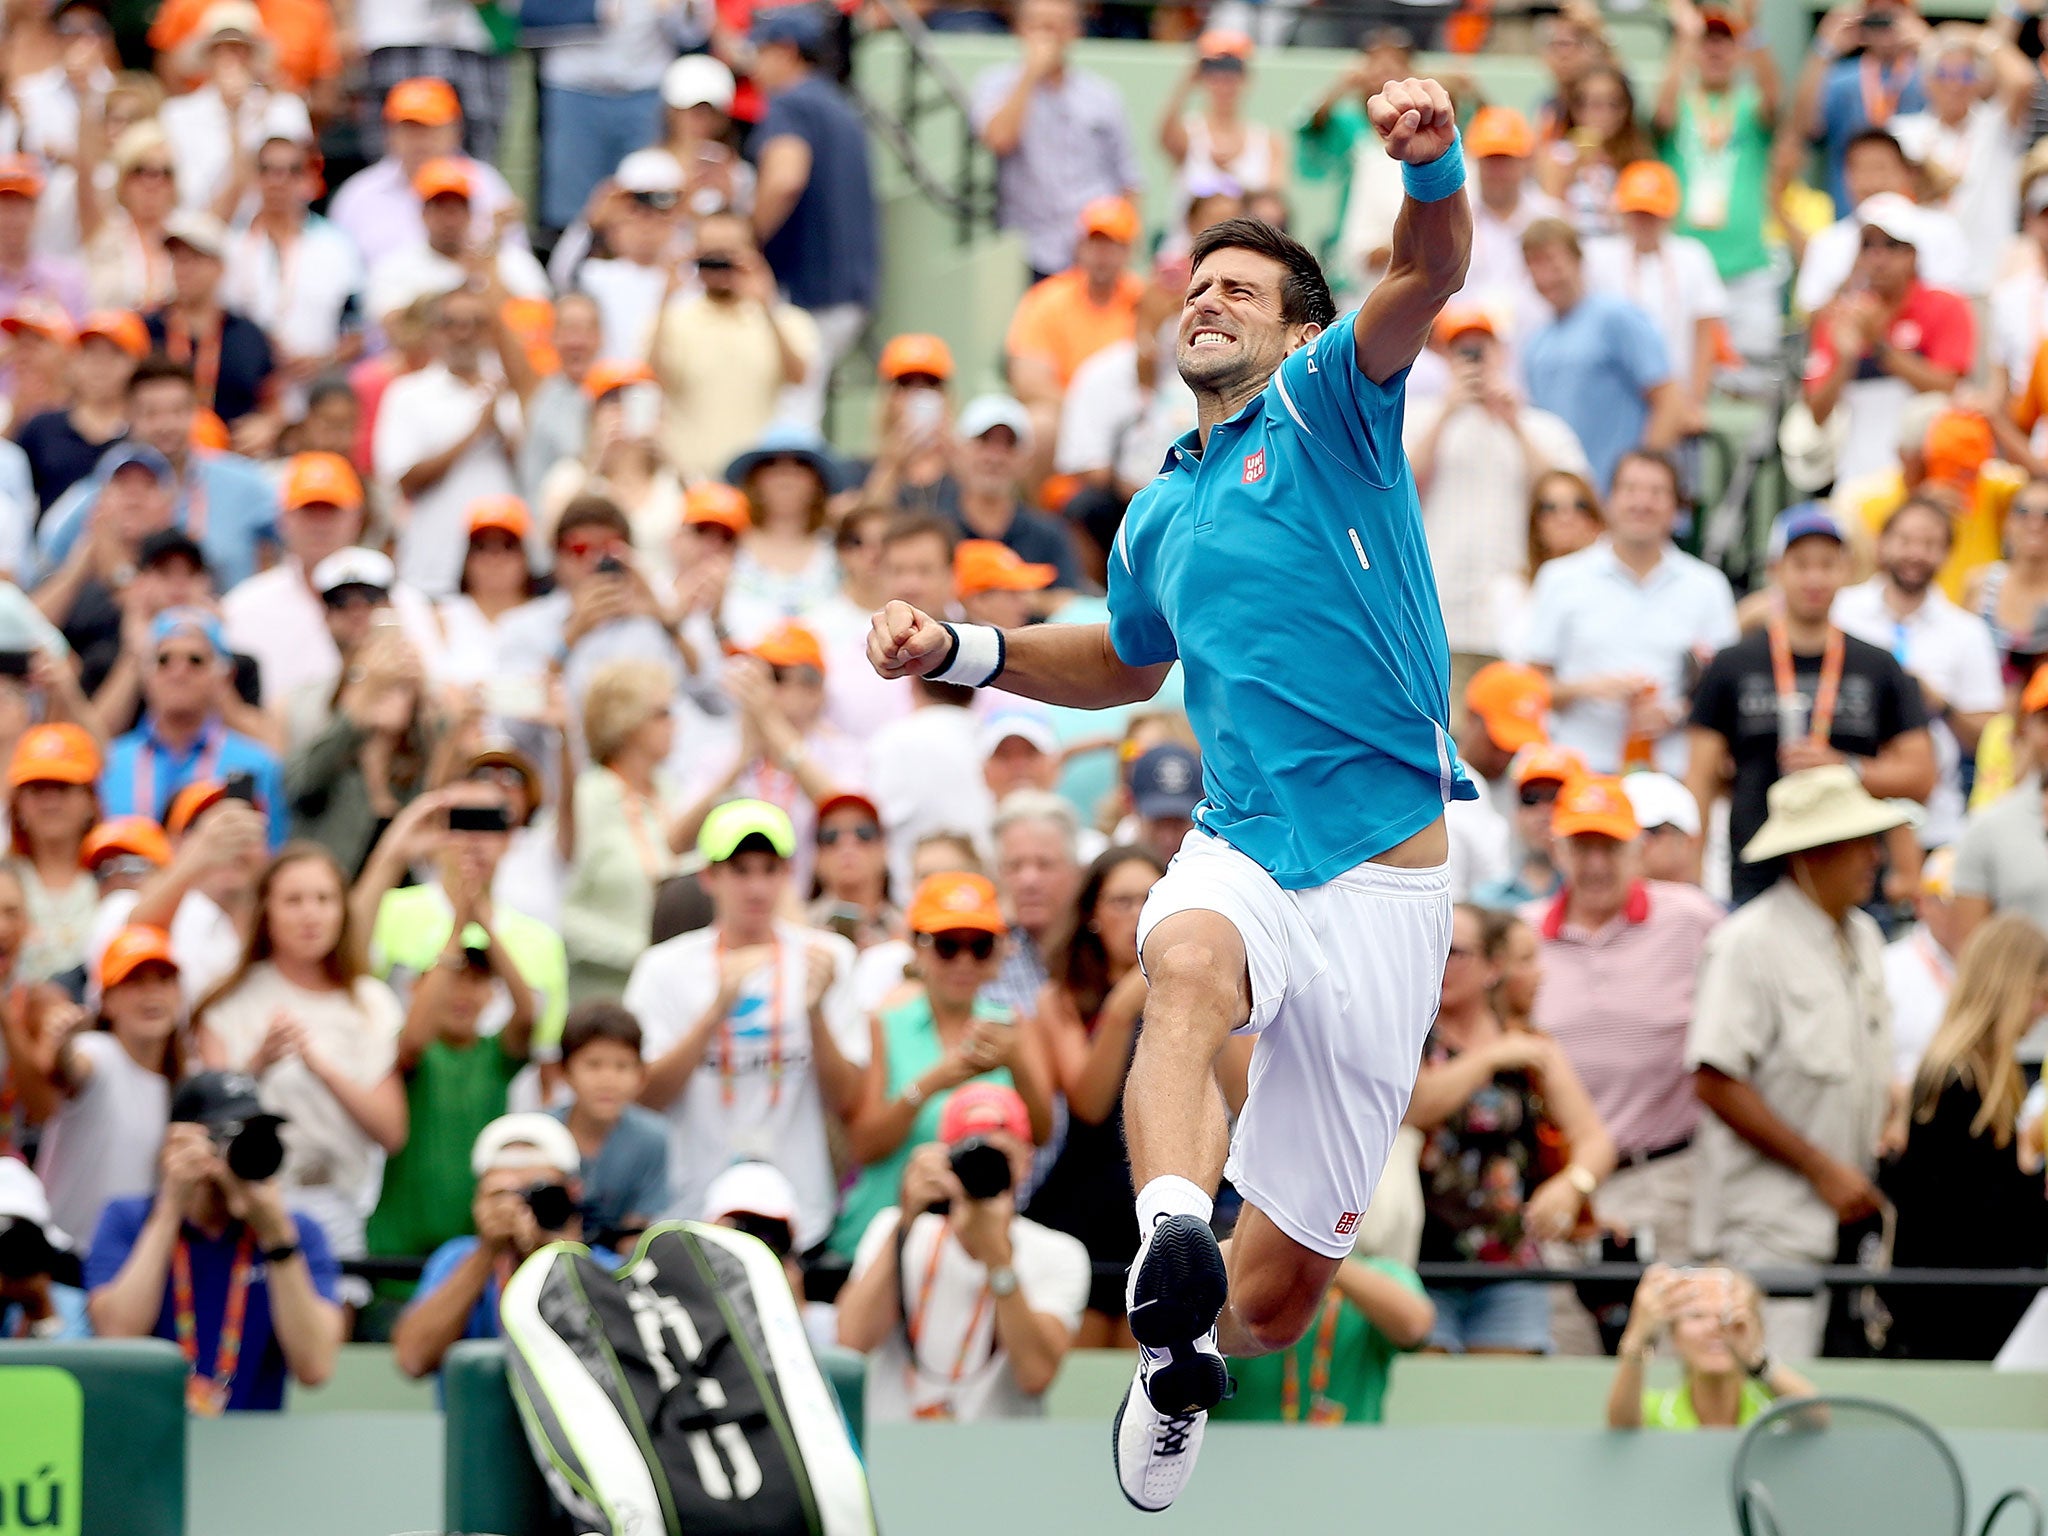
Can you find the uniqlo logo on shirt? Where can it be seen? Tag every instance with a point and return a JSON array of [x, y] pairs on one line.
[[1347, 1224], [1254, 466]]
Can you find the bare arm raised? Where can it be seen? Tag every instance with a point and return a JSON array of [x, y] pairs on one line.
[[1071, 664], [1432, 240]]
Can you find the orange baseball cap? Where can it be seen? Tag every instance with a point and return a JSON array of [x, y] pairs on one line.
[[131, 949], [989, 565], [22, 175], [1511, 701], [189, 803], [975, 1109], [916, 352], [54, 754], [1545, 764], [136, 835], [1647, 186], [1597, 805], [1499, 131], [505, 514], [321, 479], [1461, 318], [713, 501], [791, 645], [1223, 43], [1113, 218], [953, 900], [123, 327], [1957, 447], [2035, 698], [209, 431], [608, 374], [443, 176], [422, 99], [40, 318]]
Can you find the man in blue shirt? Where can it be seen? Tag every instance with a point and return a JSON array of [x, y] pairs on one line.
[[181, 736], [1837, 97], [213, 1245], [1600, 364], [223, 501], [1279, 556]]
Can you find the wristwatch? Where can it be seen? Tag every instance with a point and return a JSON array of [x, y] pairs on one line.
[[913, 1096], [1002, 1281], [281, 1252], [1581, 1179], [1761, 1369]]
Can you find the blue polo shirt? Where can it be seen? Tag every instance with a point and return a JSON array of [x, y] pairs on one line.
[[164, 770], [1844, 111], [1593, 365], [224, 502], [482, 1322], [260, 1377], [828, 251], [1285, 567]]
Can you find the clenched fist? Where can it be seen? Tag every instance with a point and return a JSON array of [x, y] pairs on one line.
[[1415, 118], [905, 642]]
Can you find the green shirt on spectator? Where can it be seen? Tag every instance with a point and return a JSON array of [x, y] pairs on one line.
[[1721, 149], [413, 926], [1329, 152], [1672, 1408], [452, 1093], [1343, 1346]]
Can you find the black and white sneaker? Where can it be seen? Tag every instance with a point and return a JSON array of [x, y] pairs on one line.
[[1177, 1288]]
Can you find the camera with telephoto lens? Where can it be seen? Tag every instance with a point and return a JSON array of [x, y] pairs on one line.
[[551, 1204], [252, 1149], [982, 1167]]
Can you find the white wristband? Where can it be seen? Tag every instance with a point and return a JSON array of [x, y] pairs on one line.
[[978, 656]]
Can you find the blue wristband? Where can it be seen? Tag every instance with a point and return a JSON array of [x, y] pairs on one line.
[[1434, 182]]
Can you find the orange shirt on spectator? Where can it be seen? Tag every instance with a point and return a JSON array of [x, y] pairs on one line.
[[1057, 321], [301, 31]]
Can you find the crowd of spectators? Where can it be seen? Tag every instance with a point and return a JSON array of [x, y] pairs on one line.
[[451, 810]]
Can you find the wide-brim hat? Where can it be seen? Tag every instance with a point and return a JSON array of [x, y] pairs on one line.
[[1819, 807]]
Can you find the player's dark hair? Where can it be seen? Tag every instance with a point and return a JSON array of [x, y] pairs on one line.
[[599, 1019], [1304, 296]]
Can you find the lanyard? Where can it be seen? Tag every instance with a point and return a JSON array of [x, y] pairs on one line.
[[1880, 96], [647, 845], [211, 744], [915, 1322], [726, 1075], [1713, 126], [1823, 717], [1321, 1410], [207, 1394], [178, 343], [268, 309]]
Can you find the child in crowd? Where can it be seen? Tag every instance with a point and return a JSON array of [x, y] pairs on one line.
[[624, 1147]]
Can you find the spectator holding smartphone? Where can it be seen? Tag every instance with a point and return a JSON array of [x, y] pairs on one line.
[[1714, 1319], [968, 1307], [1862, 71]]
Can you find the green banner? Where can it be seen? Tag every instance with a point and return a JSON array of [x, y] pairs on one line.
[[42, 1453]]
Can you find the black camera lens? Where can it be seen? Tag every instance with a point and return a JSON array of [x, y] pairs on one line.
[[982, 1168], [774, 1233], [551, 1205], [716, 263], [255, 1151]]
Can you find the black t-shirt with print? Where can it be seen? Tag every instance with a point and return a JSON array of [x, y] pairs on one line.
[[1738, 697]]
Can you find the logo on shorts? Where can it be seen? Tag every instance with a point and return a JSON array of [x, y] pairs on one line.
[[1254, 467], [1347, 1224]]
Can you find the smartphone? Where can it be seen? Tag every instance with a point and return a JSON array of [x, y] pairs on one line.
[[240, 786], [923, 410], [610, 565], [16, 663], [640, 411], [478, 818]]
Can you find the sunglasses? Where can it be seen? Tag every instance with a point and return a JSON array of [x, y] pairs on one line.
[[1878, 240], [810, 675], [1539, 794], [165, 660], [866, 832], [342, 599], [1576, 504], [274, 168], [947, 946], [1957, 74], [152, 172]]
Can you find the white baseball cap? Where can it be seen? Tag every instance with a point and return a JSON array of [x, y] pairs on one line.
[[751, 1189], [649, 171], [1659, 800], [354, 567], [1025, 724], [23, 1198], [530, 1140], [1896, 216], [984, 413], [698, 80]]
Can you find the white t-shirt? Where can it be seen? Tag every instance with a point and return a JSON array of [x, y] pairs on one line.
[[298, 292], [1918, 975], [1106, 421], [1981, 159], [1943, 262], [925, 772], [2018, 324], [102, 1143], [417, 270], [424, 414], [756, 1093], [1479, 841], [420, 24], [204, 939], [960, 1370], [203, 135], [1676, 285], [277, 618], [628, 298], [1951, 648], [356, 1032], [857, 700]]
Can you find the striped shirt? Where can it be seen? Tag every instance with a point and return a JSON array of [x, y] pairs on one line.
[[1619, 1000]]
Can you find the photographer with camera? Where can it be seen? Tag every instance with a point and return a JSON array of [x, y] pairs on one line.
[[215, 1262], [1862, 71], [969, 1306], [527, 1191], [39, 1274]]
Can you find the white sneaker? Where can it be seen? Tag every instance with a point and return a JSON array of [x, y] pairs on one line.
[[1154, 1452], [1175, 1294]]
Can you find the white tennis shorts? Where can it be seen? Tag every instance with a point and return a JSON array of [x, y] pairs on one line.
[[1345, 980]]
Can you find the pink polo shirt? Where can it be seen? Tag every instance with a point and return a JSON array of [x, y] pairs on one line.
[[1619, 1000]]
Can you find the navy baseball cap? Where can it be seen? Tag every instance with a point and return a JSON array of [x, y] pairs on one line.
[[123, 455], [1167, 781], [1804, 520], [800, 25]]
